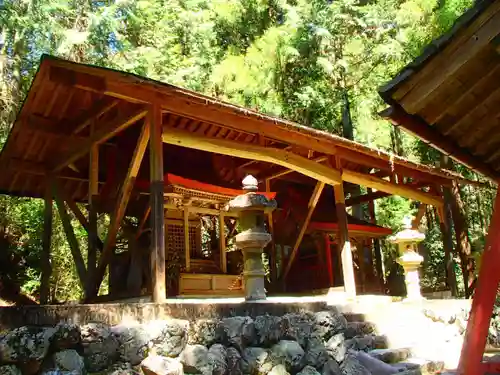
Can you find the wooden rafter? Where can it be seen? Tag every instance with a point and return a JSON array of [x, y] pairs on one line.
[[311, 206], [284, 172], [267, 154], [422, 130], [70, 236], [121, 205], [102, 134], [98, 109]]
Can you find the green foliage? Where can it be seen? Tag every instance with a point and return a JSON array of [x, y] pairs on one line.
[[296, 59]]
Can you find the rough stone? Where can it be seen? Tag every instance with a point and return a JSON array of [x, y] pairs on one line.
[[9, 370], [195, 360], [234, 361], [352, 365], [66, 336], [290, 354], [336, 347], [374, 365], [354, 329], [316, 353], [239, 331], [217, 357], [27, 347], [133, 340], [308, 370], [331, 367], [268, 329], [279, 370], [69, 360], [122, 368], [256, 360], [160, 365], [100, 347], [297, 327], [205, 332], [169, 337], [328, 323]]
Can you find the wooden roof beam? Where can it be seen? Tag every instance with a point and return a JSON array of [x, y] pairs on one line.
[[102, 134], [272, 155], [419, 128], [391, 188]]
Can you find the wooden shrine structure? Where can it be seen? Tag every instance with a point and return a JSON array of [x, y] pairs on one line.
[[450, 98], [84, 132]]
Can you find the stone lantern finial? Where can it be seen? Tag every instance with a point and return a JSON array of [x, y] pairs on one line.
[[407, 241], [250, 183]]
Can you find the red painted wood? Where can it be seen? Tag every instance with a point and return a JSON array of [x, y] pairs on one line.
[[484, 299], [171, 179], [329, 262], [332, 227], [490, 368]]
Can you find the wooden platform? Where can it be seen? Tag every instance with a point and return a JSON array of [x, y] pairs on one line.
[[216, 285]]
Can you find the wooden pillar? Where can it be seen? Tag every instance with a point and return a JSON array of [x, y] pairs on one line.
[[343, 242], [187, 250], [329, 261], [222, 243], [92, 219], [47, 239], [272, 258], [484, 300], [379, 266], [156, 201]]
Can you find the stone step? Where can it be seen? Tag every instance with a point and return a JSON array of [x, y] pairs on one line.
[[354, 317], [355, 329], [417, 366], [367, 342], [392, 355]]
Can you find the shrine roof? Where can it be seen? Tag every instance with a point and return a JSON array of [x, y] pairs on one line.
[[52, 134], [449, 95]]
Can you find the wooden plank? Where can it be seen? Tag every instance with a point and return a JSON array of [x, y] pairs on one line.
[[71, 238], [98, 109], [420, 129], [311, 206], [344, 243], [187, 250], [156, 197], [200, 210], [102, 134], [273, 261], [47, 240], [247, 151], [451, 60], [285, 172], [222, 243], [483, 301], [390, 187], [366, 198], [121, 205]]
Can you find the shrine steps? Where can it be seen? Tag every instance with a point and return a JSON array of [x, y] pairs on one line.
[[422, 337]]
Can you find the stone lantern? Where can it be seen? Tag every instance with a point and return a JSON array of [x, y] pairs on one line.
[[407, 241], [251, 209]]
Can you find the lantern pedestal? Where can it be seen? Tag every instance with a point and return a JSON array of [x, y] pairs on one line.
[[410, 261]]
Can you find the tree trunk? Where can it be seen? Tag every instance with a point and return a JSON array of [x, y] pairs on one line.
[[463, 241]]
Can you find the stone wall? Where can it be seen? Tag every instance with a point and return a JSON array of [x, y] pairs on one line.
[[114, 313], [305, 343]]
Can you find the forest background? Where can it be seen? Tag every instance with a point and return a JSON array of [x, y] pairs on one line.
[[318, 63]]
